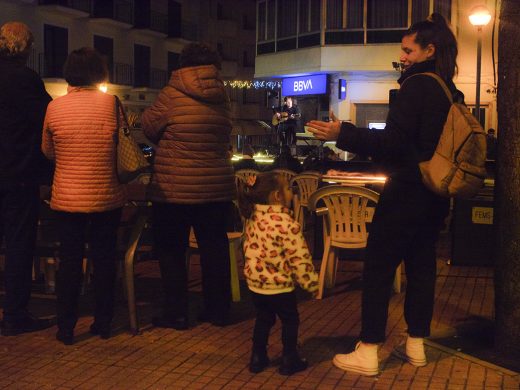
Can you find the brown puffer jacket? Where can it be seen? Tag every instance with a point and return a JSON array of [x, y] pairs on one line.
[[190, 121], [78, 133]]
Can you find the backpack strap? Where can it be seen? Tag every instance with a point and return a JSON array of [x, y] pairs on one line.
[[439, 80]]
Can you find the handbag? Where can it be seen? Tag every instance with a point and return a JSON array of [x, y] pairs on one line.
[[131, 161]]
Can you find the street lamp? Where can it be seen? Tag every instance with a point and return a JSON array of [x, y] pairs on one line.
[[479, 17]]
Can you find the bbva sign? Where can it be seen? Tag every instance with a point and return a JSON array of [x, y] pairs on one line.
[[304, 85]]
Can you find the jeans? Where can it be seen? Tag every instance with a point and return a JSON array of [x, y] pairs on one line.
[[405, 227], [171, 228], [267, 308], [100, 231], [19, 205]]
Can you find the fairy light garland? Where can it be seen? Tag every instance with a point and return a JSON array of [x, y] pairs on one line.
[[246, 84]]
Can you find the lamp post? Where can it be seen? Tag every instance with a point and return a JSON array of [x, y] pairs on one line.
[[479, 17]]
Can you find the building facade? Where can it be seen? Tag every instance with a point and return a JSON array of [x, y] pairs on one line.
[[356, 44], [142, 40]]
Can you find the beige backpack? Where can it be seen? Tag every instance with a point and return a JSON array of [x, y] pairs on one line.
[[457, 168]]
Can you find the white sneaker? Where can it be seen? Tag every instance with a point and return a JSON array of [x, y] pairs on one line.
[[362, 361], [413, 353]]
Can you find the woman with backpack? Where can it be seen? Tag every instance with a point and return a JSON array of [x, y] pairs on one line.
[[409, 216]]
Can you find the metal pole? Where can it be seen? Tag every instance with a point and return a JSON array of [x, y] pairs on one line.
[[477, 92]]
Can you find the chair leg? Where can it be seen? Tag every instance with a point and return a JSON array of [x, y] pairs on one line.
[[135, 234], [323, 268], [397, 279], [332, 266], [235, 283], [49, 275], [87, 271]]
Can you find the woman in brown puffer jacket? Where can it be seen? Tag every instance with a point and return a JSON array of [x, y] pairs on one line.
[[78, 134], [192, 184]]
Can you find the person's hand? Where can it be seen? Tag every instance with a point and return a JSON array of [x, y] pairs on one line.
[[326, 131]]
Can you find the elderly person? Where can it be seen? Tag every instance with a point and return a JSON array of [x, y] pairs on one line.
[[23, 101], [192, 184], [79, 135]]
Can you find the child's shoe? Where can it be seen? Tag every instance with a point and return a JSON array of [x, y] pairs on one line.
[[259, 362], [291, 364], [413, 352], [362, 361]]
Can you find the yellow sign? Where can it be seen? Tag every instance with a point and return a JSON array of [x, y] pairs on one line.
[[482, 215]]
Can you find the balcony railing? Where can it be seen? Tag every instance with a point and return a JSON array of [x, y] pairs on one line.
[[120, 10], [158, 22], [123, 74], [158, 78], [190, 31], [80, 5]]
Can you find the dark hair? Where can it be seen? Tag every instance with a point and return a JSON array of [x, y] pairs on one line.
[[258, 193], [85, 66], [435, 31], [197, 54], [248, 150]]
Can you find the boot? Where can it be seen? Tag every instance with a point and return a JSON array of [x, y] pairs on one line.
[[412, 352], [362, 361], [259, 362], [292, 363]]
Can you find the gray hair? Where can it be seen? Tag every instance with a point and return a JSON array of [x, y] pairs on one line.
[[15, 40]]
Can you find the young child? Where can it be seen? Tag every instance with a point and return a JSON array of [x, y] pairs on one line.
[[276, 258]]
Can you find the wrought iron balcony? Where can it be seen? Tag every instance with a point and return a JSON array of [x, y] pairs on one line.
[[80, 5]]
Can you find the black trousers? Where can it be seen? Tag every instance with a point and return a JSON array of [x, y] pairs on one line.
[[267, 308], [19, 205], [405, 227], [171, 228], [100, 231]]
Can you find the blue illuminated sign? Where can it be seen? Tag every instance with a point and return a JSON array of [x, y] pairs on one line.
[[342, 89], [305, 85]]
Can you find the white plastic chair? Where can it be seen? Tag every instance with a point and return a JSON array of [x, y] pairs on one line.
[[235, 250], [306, 185], [287, 173], [243, 174], [346, 212]]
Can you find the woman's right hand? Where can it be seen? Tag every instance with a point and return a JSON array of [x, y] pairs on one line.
[[325, 131]]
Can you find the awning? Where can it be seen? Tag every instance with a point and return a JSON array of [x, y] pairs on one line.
[[250, 127]]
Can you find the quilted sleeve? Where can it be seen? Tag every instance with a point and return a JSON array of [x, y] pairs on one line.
[[47, 140], [154, 119], [299, 258]]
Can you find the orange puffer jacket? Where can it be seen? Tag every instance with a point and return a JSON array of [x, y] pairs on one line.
[[190, 121], [78, 133]]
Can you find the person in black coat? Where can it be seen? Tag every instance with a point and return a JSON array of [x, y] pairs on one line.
[[23, 101], [247, 161], [409, 216]]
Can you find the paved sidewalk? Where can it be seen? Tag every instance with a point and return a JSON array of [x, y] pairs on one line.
[[206, 357]]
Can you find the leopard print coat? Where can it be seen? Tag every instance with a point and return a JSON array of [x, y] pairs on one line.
[[276, 254]]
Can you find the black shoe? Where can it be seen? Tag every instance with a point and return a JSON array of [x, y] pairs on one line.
[[258, 363], [220, 319], [102, 330], [291, 364], [179, 323], [204, 316], [25, 325], [65, 336]]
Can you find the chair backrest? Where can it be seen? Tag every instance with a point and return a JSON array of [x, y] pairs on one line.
[[307, 184], [243, 174], [346, 213], [287, 173]]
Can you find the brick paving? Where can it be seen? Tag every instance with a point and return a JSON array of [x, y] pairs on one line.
[[207, 357]]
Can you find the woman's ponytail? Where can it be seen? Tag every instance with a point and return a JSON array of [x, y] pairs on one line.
[[436, 31]]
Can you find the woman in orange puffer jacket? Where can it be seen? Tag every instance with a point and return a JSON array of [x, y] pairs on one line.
[[78, 133]]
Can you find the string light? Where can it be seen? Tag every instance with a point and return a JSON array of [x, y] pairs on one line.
[[246, 84]]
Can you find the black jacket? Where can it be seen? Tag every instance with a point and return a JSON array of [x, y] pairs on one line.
[[413, 126], [23, 102]]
